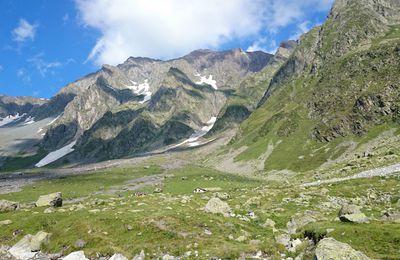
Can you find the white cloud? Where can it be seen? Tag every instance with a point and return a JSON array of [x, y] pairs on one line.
[[23, 74], [24, 31], [265, 45], [44, 67], [170, 28]]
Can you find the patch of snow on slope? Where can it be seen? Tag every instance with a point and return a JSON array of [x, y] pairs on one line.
[[9, 119], [208, 81], [55, 155], [141, 89], [192, 140], [29, 120], [52, 121]]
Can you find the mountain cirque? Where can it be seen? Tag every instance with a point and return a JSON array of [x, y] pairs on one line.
[[216, 155]]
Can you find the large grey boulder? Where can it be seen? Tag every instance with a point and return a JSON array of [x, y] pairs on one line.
[[6, 205], [352, 213], [331, 249], [217, 206], [53, 200], [78, 255], [29, 246], [391, 217]]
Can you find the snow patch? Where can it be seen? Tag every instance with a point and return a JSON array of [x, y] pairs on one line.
[[52, 121], [29, 121], [55, 155], [208, 81], [192, 140], [141, 89], [9, 119]]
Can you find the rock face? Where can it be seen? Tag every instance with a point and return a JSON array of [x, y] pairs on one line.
[[352, 213], [330, 249], [217, 206], [29, 246], [53, 200], [6, 205]]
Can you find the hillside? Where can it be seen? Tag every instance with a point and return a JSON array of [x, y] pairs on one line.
[[337, 91]]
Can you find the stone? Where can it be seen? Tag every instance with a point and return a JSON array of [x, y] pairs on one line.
[[5, 222], [269, 223], [80, 243], [168, 257], [157, 190], [140, 256], [391, 217], [118, 257], [78, 255], [300, 221], [352, 213], [355, 218], [29, 245], [52, 200], [329, 248], [222, 195], [217, 206], [293, 244], [6, 206], [283, 239], [49, 210]]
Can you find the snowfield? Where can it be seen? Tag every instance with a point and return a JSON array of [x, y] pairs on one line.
[[192, 140], [208, 81], [55, 155], [9, 119], [141, 89]]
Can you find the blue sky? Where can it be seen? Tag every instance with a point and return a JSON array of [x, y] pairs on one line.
[[45, 44]]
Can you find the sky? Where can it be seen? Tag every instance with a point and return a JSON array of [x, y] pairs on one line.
[[46, 44]]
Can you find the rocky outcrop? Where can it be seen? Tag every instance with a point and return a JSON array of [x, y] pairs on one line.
[[329, 248]]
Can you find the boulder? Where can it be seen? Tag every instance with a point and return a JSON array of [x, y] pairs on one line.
[[6, 206], [5, 222], [118, 257], [299, 221], [217, 206], [140, 256], [29, 246], [53, 200], [391, 217], [283, 239], [79, 255], [352, 213], [330, 249]]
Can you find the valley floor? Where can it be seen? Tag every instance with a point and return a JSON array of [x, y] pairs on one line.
[[150, 204]]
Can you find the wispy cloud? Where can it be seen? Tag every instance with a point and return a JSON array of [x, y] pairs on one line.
[[25, 31], [44, 67], [24, 75]]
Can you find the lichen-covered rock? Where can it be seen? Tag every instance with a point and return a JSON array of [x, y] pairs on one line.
[[299, 221], [330, 249], [217, 206], [391, 217], [29, 246], [352, 213], [53, 200], [6, 206]]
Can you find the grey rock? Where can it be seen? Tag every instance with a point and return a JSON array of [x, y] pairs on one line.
[[330, 249], [78, 255], [29, 246], [390, 216], [140, 256], [6, 205], [217, 206], [80, 243], [118, 257], [5, 222], [53, 200], [352, 213]]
